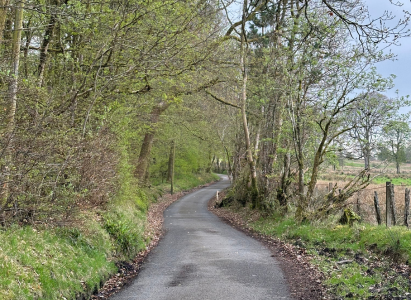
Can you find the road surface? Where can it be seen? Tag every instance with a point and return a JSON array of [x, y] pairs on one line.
[[202, 258]]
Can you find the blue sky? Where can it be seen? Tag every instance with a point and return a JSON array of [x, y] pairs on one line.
[[401, 66]]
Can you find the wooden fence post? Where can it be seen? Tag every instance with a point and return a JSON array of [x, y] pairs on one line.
[[388, 215], [407, 207], [377, 208], [358, 203], [393, 209], [173, 154]]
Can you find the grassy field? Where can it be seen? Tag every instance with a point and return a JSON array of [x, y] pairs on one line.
[[363, 201], [377, 167]]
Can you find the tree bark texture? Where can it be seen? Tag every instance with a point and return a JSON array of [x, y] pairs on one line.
[[144, 156], [388, 216], [170, 162], [12, 104], [3, 18], [377, 208], [407, 208], [393, 208], [391, 215], [282, 196], [250, 159], [48, 35]]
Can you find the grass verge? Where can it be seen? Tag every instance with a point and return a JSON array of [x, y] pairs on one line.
[[359, 262]]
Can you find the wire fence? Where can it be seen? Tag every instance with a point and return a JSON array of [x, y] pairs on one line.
[[362, 202]]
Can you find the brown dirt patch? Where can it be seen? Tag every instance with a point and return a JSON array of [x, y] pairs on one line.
[[304, 279]]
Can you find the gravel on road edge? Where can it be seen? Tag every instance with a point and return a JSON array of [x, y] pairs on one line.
[[304, 279]]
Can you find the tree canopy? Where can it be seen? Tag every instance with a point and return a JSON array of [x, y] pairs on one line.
[[89, 87]]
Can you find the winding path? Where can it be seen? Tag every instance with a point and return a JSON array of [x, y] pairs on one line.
[[202, 258]]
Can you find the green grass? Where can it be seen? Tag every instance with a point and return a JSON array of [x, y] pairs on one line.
[[52, 264], [330, 244], [394, 180]]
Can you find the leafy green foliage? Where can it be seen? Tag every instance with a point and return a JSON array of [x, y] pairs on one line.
[[394, 141]]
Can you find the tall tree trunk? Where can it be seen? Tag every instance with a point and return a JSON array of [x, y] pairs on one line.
[[299, 136], [12, 104], [397, 156], [367, 151], [366, 161], [172, 159], [282, 195], [257, 136], [143, 159], [170, 162], [28, 35], [250, 159], [300, 161], [301, 212], [48, 35], [230, 170], [278, 123], [3, 18]]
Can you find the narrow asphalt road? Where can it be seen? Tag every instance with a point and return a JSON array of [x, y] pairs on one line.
[[202, 258]]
